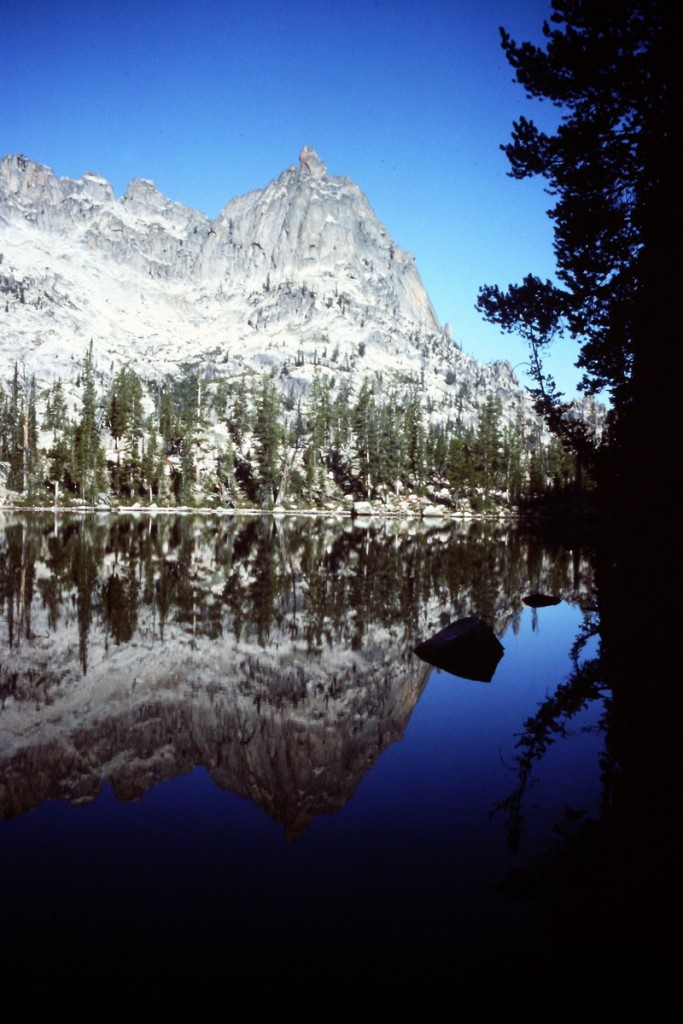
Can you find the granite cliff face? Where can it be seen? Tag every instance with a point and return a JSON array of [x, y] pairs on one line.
[[298, 274], [303, 228]]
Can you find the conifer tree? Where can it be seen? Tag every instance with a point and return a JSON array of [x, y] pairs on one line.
[[459, 470], [611, 168], [60, 469], [30, 435], [125, 421], [513, 447], [364, 423], [239, 421], [89, 457], [4, 429], [268, 440], [538, 481], [488, 447], [319, 421], [340, 431], [415, 441], [167, 417], [225, 471], [14, 446], [187, 471], [56, 413], [437, 450], [391, 456], [220, 399], [19, 429], [152, 462]]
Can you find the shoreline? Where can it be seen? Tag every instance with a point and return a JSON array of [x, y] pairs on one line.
[[430, 514]]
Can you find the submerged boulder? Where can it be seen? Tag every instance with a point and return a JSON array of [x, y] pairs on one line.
[[467, 648]]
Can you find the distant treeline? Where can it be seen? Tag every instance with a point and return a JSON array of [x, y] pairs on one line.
[[194, 439]]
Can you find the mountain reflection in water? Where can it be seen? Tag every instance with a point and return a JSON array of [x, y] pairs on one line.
[[166, 680]]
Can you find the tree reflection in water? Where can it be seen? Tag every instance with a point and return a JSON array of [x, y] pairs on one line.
[[553, 721], [277, 655], [607, 892]]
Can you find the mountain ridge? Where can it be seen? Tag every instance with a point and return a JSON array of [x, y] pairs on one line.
[[304, 232], [296, 286]]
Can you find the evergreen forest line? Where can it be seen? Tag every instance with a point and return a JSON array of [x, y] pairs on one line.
[[194, 440]]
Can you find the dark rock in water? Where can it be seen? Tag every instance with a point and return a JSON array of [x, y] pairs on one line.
[[467, 648], [540, 600]]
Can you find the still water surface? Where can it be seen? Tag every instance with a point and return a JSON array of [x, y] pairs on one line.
[[217, 744]]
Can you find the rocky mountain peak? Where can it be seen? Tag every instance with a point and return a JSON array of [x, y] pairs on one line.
[[143, 192], [25, 183], [295, 288], [292, 279], [97, 187], [311, 162]]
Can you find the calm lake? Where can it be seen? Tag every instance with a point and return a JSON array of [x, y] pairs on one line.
[[218, 746]]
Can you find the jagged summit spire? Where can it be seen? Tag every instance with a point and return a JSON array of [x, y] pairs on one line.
[[311, 162]]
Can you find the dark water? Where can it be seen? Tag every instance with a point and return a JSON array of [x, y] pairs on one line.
[[219, 753]]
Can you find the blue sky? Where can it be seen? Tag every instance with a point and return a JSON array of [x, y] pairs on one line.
[[409, 98]]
